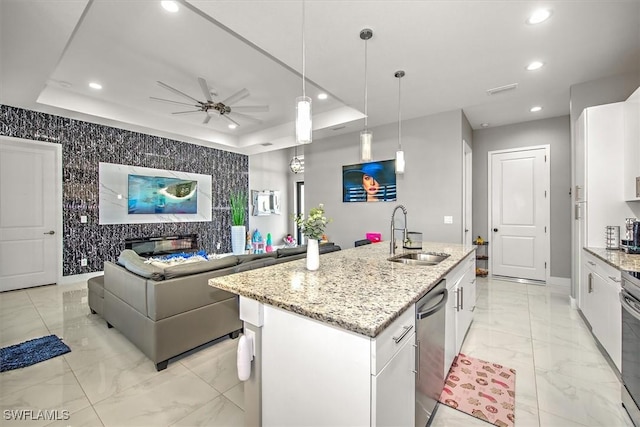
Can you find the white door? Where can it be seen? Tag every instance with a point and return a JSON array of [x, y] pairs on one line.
[[28, 216], [467, 204], [519, 212]]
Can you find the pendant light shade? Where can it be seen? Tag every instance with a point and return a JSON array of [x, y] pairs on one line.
[[303, 120], [366, 137], [399, 154], [303, 103], [365, 146]]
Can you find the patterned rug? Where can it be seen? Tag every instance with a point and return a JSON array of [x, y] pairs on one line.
[[481, 389], [31, 352]]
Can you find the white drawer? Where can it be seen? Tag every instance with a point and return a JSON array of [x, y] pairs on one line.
[[385, 345], [606, 271], [460, 269]]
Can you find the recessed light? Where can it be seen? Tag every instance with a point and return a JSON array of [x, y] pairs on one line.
[[539, 16], [170, 6], [535, 109], [232, 126], [94, 85], [535, 65], [322, 96], [484, 125]]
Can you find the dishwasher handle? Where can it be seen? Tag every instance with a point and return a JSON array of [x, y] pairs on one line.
[[445, 295]]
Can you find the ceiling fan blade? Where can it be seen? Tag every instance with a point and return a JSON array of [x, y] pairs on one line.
[[176, 91], [230, 119], [187, 112], [241, 94], [205, 89], [251, 108], [173, 102], [247, 117], [206, 119]]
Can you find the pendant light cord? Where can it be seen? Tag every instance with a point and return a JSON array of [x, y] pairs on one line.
[[303, 50], [399, 113], [366, 99]]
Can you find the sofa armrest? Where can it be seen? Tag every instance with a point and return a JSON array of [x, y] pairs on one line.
[[125, 285]]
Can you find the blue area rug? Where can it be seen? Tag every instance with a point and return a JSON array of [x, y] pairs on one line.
[[31, 352]]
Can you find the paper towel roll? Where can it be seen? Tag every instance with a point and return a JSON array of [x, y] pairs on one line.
[[244, 357]]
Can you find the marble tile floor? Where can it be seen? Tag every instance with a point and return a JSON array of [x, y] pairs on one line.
[[562, 379]]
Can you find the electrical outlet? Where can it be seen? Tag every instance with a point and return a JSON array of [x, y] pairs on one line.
[[83, 262], [448, 219], [83, 219]]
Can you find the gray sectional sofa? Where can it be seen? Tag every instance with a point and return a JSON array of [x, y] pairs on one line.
[[168, 311]]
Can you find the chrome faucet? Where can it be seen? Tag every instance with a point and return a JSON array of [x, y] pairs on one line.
[[393, 228]]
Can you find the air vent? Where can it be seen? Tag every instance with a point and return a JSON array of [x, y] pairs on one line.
[[266, 144], [500, 89]]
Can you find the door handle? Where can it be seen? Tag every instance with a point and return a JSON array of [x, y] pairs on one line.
[[590, 287], [50, 232], [495, 230]]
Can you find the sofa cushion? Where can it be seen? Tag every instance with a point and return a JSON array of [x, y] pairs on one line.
[[250, 257], [136, 264], [199, 267], [256, 263], [328, 247], [285, 252]]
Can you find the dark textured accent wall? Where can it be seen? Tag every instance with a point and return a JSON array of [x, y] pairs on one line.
[[85, 145]]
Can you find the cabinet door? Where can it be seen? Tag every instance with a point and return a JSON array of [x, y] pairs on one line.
[[450, 329], [467, 302], [393, 389], [610, 331], [588, 292], [632, 147]]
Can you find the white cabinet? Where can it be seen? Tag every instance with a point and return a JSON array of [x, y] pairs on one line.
[[632, 147], [600, 305], [461, 285], [393, 389], [315, 371], [599, 157]]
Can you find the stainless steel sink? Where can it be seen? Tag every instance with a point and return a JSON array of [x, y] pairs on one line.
[[420, 258]]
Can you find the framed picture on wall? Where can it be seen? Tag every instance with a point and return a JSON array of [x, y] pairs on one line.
[[369, 182]]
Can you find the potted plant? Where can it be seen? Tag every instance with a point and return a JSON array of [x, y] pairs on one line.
[[313, 228], [238, 203]]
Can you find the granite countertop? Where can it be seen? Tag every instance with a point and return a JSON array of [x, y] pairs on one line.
[[617, 259], [356, 289]]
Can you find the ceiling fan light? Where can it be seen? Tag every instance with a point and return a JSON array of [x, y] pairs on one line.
[[366, 139], [399, 162], [303, 120]]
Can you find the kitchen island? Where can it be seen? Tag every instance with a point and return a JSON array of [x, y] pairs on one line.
[[329, 347]]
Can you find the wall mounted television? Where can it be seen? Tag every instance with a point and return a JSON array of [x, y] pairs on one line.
[[161, 195], [369, 182]]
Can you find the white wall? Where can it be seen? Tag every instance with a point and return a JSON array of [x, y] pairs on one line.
[[270, 171], [555, 132], [430, 188]]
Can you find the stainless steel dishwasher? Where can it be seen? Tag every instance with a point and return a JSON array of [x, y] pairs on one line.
[[430, 321]]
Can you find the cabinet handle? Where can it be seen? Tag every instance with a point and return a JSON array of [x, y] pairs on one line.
[[615, 279], [417, 359], [578, 196], [637, 186], [461, 298], [591, 263], [576, 214], [457, 299], [590, 287], [403, 334]]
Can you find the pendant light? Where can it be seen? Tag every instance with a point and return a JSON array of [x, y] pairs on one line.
[[366, 137], [295, 164], [399, 154], [303, 103]]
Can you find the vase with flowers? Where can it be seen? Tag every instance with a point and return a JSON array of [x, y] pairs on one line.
[[313, 228]]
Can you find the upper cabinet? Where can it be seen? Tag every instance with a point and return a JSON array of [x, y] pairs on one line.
[[632, 147]]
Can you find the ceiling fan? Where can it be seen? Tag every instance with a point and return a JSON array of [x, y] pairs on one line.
[[222, 108]]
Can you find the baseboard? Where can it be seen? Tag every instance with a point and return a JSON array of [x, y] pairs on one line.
[[559, 284], [76, 278]]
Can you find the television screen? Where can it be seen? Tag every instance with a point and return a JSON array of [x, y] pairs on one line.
[[162, 195], [369, 182]]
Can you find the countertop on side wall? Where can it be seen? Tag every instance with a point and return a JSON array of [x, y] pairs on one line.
[[356, 289], [617, 259]]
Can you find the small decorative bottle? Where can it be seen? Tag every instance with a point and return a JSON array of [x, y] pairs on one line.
[[269, 248]]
